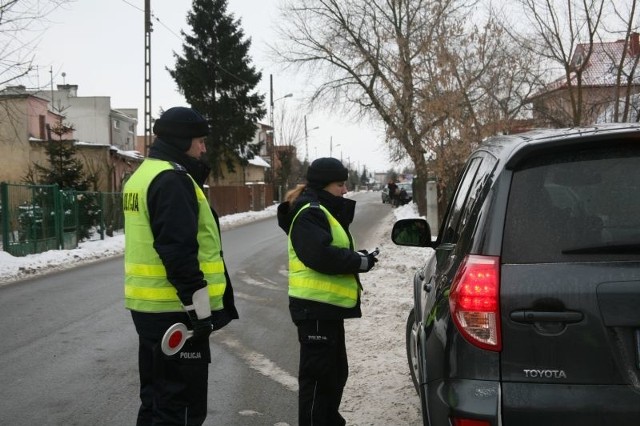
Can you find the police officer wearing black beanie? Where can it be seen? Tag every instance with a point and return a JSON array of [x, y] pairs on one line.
[[174, 270], [324, 285]]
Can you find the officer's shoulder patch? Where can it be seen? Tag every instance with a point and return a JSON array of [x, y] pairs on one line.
[[177, 167]]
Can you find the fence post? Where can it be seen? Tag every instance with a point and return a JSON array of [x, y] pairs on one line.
[[76, 213], [101, 206], [58, 216], [4, 202]]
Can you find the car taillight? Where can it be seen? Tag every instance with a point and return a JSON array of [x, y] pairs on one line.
[[474, 301], [469, 422]]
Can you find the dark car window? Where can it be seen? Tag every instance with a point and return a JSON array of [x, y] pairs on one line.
[[451, 229], [476, 193], [574, 206]]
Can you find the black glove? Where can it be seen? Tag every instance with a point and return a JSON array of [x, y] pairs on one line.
[[367, 260], [202, 328]]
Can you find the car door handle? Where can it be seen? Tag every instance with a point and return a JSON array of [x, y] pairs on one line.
[[528, 316]]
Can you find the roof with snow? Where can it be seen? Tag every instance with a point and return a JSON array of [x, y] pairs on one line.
[[259, 161], [603, 63]]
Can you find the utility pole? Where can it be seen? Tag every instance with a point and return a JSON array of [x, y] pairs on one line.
[[306, 141], [273, 131], [147, 76]]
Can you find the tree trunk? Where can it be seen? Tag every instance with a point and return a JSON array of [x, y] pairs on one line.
[[420, 186]]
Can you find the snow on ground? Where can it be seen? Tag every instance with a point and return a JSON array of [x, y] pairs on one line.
[[17, 268], [379, 390]]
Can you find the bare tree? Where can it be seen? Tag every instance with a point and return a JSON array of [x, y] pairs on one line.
[[554, 31], [627, 80], [378, 59], [289, 129], [433, 77], [488, 80], [21, 25]]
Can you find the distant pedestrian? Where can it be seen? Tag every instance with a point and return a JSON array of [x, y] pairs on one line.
[[393, 190], [324, 287], [174, 270]]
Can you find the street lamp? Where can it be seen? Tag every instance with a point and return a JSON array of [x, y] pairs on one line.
[[273, 136], [288, 95], [273, 128], [306, 139], [331, 146]]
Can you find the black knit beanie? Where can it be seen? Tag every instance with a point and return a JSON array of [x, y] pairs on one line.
[[179, 125], [324, 171]]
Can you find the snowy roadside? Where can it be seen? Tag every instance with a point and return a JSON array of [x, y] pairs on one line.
[[379, 390], [19, 268]]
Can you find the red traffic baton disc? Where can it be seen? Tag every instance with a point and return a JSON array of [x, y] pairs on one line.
[[174, 338]]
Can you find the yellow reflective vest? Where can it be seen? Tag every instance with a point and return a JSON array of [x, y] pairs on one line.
[[146, 287], [305, 283]]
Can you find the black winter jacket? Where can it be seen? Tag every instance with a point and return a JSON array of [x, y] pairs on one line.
[[173, 211], [311, 240]]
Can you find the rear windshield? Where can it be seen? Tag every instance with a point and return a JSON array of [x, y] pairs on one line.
[[575, 206]]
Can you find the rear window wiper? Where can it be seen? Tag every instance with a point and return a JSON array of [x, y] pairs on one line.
[[605, 249]]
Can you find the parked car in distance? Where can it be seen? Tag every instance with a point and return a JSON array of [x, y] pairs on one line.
[[405, 193], [527, 308], [406, 198]]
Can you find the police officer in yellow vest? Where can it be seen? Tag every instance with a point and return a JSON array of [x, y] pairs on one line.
[[324, 287], [174, 270]]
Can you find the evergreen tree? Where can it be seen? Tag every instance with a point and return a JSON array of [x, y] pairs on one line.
[[353, 180], [63, 168], [364, 178], [216, 77]]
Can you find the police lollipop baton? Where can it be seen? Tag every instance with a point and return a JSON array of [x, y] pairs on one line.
[[174, 338], [176, 335]]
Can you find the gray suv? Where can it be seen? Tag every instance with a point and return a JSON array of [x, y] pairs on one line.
[[527, 308]]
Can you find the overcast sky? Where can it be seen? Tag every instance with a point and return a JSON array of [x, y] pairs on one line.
[[99, 45]]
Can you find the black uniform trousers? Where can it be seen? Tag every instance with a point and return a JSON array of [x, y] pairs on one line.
[[173, 390], [322, 373]]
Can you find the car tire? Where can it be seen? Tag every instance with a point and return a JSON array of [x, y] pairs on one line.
[[414, 366], [412, 349]]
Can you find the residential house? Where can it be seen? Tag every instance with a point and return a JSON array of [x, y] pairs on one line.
[[256, 171], [25, 125], [104, 137], [595, 75]]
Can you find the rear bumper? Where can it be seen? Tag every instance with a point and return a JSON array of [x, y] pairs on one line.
[[471, 399], [569, 405], [524, 404]]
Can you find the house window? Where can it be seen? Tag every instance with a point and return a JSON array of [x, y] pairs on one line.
[[116, 124], [42, 125]]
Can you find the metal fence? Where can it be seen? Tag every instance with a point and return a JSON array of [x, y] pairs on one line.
[[37, 218]]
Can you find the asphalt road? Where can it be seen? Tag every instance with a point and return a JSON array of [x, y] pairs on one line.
[[68, 352]]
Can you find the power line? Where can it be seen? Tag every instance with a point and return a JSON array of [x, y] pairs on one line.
[[133, 5], [179, 37]]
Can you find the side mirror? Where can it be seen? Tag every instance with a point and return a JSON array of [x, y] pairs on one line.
[[413, 232]]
